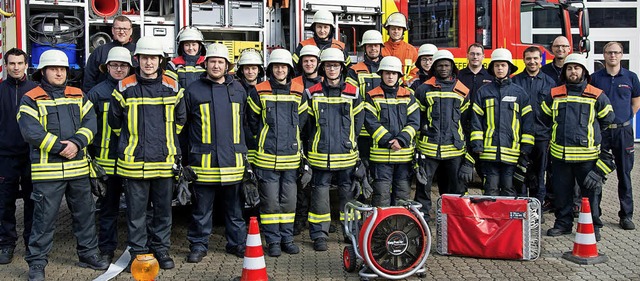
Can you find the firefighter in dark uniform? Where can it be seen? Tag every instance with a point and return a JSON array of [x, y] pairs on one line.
[[187, 68], [307, 66], [536, 84], [364, 76], [15, 171], [278, 112], [335, 119], [105, 147], [442, 101], [622, 87], [215, 106], [392, 118], [122, 30], [423, 64], [577, 113], [58, 122], [148, 112], [249, 73], [502, 126], [324, 29]]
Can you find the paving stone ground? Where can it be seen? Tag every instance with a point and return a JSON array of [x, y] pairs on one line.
[[622, 247]]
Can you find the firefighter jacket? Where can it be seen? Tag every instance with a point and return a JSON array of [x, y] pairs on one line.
[[148, 114], [335, 119], [442, 103], [422, 77], [322, 45], [276, 116], [408, 55], [537, 86], [92, 74], [49, 114], [249, 138], [364, 76], [501, 122], [104, 148], [391, 113], [577, 114], [216, 115], [186, 71], [11, 92]]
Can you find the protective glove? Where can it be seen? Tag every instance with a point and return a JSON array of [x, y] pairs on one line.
[[305, 173], [594, 180], [518, 176], [98, 178], [356, 187], [418, 168], [189, 174], [367, 190], [465, 173], [359, 171], [523, 162], [183, 193], [251, 194]]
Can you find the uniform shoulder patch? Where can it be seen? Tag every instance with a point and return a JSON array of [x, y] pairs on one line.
[[306, 42], [403, 92], [37, 93], [337, 43], [170, 82], [376, 93], [72, 92], [591, 91], [263, 88], [461, 89], [296, 88], [298, 79], [559, 92], [431, 81], [127, 82], [360, 67]]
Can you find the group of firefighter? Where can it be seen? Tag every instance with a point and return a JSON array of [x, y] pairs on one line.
[[369, 128]]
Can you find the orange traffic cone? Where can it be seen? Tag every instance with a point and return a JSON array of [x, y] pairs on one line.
[[253, 266], [585, 250]]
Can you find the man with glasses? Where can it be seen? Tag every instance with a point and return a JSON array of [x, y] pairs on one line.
[[560, 49], [122, 29], [105, 147], [623, 89]]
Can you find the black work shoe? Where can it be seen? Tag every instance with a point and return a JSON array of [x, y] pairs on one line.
[[164, 260], [627, 224], [36, 272], [94, 262], [320, 244], [558, 231], [237, 251], [274, 250], [290, 248], [107, 256], [6, 255], [332, 228], [196, 255], [596, 231]]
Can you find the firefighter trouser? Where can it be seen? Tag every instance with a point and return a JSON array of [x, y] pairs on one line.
[[498, 178], [564, 176], [448, 172], [302, 204], [620, 141], [534, 180], [108, 215], [15, 181], [202, 216], [320, 207], [47, 197], [277, 204], [388, 179], [139, 193]]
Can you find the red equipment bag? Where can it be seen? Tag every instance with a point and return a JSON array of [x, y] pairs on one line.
[[488, 227]]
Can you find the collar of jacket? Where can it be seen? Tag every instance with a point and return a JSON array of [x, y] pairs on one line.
[[52, 91], [16, 82], [112, 81], [393, 45], [339, 87], [503, 82], [180, 60], [321, 43], [148, 81], [577, 88], [227, 79], [314, 80], [389, 89], [371, 63]]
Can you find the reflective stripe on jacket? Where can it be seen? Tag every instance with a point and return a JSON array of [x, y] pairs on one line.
[[577, 114], [502, 126], [391, 113], [45, 120], [334, 115], [216, 116], [148, 114], [104, 148], [277, 114], [442, 104]]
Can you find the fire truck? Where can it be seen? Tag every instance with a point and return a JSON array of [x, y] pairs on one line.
[[78, 26]]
